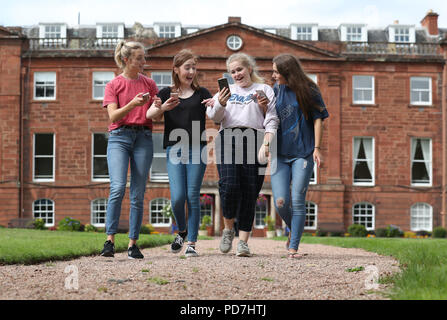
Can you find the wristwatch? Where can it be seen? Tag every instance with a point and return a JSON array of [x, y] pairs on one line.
[[266, 143]]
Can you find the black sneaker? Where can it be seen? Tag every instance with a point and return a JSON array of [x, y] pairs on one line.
[[191, 251], [177, 245], [109, 249], [134, 253]]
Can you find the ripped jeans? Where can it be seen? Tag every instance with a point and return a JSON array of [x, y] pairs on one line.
[[290, 198]]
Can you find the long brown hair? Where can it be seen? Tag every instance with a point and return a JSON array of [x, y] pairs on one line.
[[290, 68], [179, 59]]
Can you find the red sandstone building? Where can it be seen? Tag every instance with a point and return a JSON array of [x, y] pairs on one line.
[[384, 144]]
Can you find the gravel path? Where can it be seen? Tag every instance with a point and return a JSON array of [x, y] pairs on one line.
[[268, 274]]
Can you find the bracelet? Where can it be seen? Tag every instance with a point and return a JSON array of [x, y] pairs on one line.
[[317, 148]]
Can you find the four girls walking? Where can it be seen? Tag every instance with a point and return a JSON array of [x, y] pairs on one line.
[[250, 113]]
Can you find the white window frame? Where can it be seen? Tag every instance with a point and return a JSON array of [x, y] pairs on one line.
[[355, 160], [429, 161], [263, 212], [162, 74], [159, 29], [308, 214], [106, 37], [417, 212], [47, 83], [312, 36], [346, 33], [159, 177], [95, 211], [53, 156], [429, 90], [234, 42], [47, 41], [46, 212], [373, 212], [392, 33], [372, 89], [270, 30], [157, 224], [102, 77], [102, 179]]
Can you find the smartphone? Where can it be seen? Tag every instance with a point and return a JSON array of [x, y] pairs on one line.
[[262, 94], [174, 95], [223, 83], [146, 96]]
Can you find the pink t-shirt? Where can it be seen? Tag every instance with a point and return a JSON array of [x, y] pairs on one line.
[[122, 90]]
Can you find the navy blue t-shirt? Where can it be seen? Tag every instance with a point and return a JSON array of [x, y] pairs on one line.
[[296, 136]]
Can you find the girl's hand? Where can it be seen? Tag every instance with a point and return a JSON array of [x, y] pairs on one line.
[[208, 102], [262, 103], [157, 102], [138, 100], [317, 157], [263, 154], [224, 95], [170, 104]]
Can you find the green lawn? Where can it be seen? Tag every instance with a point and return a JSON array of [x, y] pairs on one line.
[[26, 246], [423, 262]]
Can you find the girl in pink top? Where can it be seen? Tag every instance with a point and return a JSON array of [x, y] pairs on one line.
[[127, 98]]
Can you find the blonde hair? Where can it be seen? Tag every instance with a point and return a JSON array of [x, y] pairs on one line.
[[124, 50], [248, 62], [179, 59]]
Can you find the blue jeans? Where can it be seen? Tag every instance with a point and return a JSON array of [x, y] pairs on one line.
[[126, 145], [290, 200], [186, 173]]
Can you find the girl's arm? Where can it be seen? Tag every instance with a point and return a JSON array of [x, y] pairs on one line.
[[116, 114], [318, 128]]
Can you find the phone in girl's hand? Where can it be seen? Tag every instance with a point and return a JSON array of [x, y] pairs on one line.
[[223, 83], [261, 94], [174, 95], [146, 96]]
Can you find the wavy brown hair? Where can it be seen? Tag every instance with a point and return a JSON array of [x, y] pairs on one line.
[[305, 89], [179, 59]]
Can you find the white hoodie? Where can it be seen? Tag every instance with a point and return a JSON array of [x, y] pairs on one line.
[[242, 111]]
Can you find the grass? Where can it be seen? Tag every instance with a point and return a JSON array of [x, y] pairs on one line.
[[25, 246], [423, 261]]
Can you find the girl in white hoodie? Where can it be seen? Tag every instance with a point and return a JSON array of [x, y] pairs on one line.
[[247, 119]]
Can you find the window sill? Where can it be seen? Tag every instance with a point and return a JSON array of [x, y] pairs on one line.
[[421, 106], [364, 105]]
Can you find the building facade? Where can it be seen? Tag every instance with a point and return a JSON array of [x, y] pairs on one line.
[[384, 144]]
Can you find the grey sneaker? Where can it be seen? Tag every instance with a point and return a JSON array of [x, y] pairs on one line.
[[242, 249], [227, 240]]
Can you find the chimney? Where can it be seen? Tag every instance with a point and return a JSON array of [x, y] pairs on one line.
[[430, 22], [234, 19]]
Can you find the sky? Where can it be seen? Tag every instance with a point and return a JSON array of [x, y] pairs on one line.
[[379, 13]]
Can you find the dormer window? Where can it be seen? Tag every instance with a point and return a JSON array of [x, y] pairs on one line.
[[108, 34], [52, 34], [306, 32], [401, 34], [353, 33], [168, 30]]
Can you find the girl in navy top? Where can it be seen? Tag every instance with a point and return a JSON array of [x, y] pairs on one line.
[[301, 110]]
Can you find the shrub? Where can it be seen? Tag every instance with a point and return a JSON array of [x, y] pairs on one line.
[[147, 229], [439, 232], [206, 221], [321, 233], [357, 230], [2, 227], [409, 234], [38, 224], [69, 224], [394, 231], [90, 228], [423, 233], [335, 234], [270, 223], [381, 232]]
